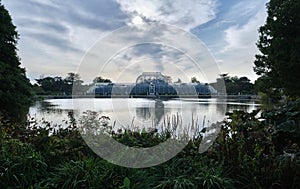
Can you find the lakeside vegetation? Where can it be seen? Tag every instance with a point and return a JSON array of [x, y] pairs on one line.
[[250, 151]]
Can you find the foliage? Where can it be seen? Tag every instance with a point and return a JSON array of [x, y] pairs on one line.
[[279, 44], [58, 85], [284, 122], [15, 91], [235, 85], [245, 146], [78, 174], [70, 163], [52, 84], [99, 79], [64, 86], [263, 151], [186, 172], [21, 165], [194, 80], [251, 151], [126, 183]]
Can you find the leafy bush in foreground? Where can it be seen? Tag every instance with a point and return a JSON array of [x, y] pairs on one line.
[[21, 165]]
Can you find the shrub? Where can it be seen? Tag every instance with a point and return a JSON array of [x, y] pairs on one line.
[[20, 165]]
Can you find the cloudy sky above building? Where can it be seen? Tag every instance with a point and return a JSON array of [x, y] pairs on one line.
[[56, 37]]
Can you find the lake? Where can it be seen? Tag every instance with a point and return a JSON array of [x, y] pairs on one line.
[[138, 113]]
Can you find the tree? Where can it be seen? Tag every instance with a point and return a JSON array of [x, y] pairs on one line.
[[178, 81], [234, 85], [101, 80], [52, 85], [279, 44], [245, 87], [169, 78], [225, 77], [58, 86], [194, 80], [15, 88], [73, 78], [74, 84]]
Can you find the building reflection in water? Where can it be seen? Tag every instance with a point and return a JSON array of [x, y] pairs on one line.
[[151, 113]]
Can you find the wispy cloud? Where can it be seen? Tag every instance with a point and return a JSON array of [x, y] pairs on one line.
[[186, 14], [232, 35], [240, 46], [242, 37]]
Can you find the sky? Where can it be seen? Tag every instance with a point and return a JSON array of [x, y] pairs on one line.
[[120, 39]]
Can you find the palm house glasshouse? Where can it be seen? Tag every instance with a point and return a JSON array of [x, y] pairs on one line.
[[151, 85]]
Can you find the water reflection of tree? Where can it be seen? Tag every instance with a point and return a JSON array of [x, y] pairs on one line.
[[224, 106], [231, 107], [62, 117], [71, 116], [43, 105], [48, 107]]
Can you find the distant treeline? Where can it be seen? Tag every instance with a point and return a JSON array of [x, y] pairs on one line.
[[236, 85], [63, 86]]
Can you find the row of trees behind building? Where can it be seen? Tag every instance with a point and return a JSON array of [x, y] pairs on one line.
[[63, 86]]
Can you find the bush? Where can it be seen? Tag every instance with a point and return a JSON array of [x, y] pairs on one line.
[[77, 174], [20, 165]]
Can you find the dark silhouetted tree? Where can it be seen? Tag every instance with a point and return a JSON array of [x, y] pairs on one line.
[[279, 44], [178, 81], [73, 80], [194, 80], [235, 85], [101, 80], [15, 88], [52, 85]]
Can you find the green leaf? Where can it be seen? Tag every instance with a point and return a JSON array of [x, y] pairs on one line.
[[127, 182]]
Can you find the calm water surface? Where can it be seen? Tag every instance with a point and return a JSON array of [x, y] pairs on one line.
[[139, 113]]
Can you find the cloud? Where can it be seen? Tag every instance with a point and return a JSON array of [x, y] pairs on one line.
[[64, 17], [232, 35], [149, 47], [240, 46], [242, 37], [186, 14], [54, 34], [230, 14], [60, 43]]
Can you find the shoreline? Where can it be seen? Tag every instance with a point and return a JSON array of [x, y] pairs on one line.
[[161, 97]]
